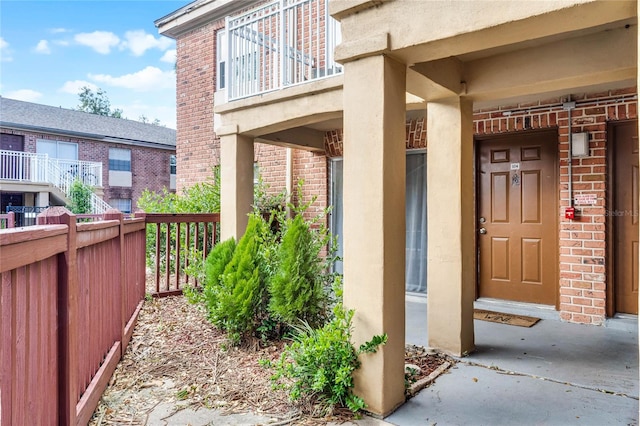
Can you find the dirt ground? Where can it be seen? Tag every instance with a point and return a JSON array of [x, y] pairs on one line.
[[176, 357]]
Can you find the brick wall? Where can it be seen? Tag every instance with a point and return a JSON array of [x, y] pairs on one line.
[[309, 166], [583, 244], [149, 166], [312, 167], [415, 137], [272, 165], [196, 83]]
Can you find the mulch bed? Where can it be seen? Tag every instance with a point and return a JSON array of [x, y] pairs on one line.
[[176, 356]]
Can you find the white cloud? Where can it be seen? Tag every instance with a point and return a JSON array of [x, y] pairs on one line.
[[43, 47], [61, 42], [26, 95], [5, 52], [169, 56], [73, 87], [100, 41], [59, 30], [139, 41], [148, 79]]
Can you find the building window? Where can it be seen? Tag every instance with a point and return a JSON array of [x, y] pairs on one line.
[[256, 173], [221, 50], [415, 218], [57, 149], [120, 159], [173, 162], [122, 204]]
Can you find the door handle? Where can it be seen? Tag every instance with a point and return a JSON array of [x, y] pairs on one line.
[[482, 231]]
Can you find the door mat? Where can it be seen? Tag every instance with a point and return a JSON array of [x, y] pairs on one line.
[[502, 318]]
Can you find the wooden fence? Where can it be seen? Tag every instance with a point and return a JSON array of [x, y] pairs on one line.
[[7, 220], [177, 239], [70, 295]]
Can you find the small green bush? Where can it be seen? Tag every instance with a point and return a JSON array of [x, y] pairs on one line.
[[241, 303], [320, 363], [80, 198], [296, 290], [214, 267]]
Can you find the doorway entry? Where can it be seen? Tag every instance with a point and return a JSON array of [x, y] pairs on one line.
[[517, 217], [624, 215]]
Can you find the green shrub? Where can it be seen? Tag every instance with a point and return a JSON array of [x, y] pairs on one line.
[[320, 363], [214, 267], [296, 290], [241, 303], [79, 198]]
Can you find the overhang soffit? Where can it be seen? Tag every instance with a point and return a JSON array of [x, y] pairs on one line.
[[443, 33], [555, 63]]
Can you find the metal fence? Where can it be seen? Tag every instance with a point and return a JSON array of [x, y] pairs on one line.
[[25, 215], [282, 43]]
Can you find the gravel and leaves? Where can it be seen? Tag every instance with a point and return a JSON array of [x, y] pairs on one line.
[[177, 356]]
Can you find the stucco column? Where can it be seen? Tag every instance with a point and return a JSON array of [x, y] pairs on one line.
[[374, 222], [236, 186], [451, 230], [42, 199]]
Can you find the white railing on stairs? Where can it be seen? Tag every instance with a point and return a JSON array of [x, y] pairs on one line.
[[39, 168]]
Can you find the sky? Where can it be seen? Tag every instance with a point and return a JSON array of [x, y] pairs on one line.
[[50, 49]]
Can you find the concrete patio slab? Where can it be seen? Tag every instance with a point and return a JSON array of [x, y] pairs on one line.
[[553, 373], [474, 395]]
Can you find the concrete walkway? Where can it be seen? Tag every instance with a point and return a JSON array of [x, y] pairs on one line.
[[553, 373]]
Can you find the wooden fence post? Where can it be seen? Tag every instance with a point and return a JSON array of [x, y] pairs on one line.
[[67, 314], [114, 214]]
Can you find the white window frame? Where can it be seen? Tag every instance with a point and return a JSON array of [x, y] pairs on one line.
[[118, 202], [173, 164], [115, 154], [41, 142], [222, 46]]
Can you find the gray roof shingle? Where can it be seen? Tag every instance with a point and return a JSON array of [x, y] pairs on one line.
[[45, 118]]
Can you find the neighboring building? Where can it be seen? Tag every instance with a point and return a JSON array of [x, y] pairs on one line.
[[530, 184], [44, 148]]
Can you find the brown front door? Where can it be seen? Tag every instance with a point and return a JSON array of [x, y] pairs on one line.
[[517, 217], [625, 216]]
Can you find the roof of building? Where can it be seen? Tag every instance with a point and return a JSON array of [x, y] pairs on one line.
[[197, 13], [49, 119]]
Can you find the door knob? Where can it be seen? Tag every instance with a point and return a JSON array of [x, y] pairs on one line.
[[483, 231]]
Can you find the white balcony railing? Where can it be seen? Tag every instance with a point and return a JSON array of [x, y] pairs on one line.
[[280, 44], [39, 168]]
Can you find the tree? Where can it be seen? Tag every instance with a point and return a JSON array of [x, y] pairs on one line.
[[143, 119], [80, 198], [97, 103]]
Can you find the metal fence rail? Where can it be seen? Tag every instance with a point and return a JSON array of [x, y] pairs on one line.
[[282, 43], [25, 215]]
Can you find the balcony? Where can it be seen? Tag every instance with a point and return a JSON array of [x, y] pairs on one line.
[[32, 168], [280, 44]]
